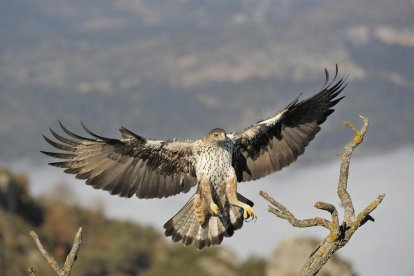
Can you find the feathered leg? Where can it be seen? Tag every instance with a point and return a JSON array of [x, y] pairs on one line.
[[186, 227], [205, 200], [231, 192]]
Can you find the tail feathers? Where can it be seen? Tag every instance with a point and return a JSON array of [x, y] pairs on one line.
[[185, 227], [183, 221]]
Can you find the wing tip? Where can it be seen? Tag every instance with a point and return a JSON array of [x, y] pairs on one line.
[[57, 145], [74, 135], [94, 134], [58, 154], [128, 134]]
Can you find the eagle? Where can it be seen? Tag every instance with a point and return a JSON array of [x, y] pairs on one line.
[[215, 163]]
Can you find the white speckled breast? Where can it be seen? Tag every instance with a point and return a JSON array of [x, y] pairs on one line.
[[214, 163]]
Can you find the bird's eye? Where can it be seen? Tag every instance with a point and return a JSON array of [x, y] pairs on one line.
[[215, 134]]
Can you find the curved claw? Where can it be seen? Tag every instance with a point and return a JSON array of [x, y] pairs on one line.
[[249, 213], [215, 209]]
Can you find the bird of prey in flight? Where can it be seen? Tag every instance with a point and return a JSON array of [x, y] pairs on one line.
[[215, 163]]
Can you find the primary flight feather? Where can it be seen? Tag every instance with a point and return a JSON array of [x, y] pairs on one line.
[[215, 164]]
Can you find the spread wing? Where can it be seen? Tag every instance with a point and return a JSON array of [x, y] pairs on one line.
[[274, 143], [132, 165]]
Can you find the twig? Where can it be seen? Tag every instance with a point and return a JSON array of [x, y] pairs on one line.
[[343, 194], [70, 259], [50, 260], [339, 234], [283, 213], [31, 271]]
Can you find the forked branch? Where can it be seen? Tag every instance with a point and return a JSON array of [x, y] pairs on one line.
[[70, 259], [339, 234]]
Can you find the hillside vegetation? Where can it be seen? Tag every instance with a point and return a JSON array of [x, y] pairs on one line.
[[109, 247], [114, 247]]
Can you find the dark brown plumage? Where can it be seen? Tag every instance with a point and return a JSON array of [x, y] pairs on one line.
[[215, 163], [264, 148]]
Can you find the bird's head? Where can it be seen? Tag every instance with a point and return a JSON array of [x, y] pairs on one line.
[[216, 135]]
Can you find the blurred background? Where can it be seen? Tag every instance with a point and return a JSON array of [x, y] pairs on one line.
[[179, 68]]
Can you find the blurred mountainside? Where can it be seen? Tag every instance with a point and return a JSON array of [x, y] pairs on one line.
[[109, 247], [114, 247], [180, 68]]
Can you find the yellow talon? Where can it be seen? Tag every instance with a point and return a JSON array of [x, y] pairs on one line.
[[215, 209], [249, 212]]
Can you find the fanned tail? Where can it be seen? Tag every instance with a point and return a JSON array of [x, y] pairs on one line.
[[185, 227]]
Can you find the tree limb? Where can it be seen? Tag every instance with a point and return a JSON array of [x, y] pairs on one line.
[[339, 234], [70, 259], [31, 271]]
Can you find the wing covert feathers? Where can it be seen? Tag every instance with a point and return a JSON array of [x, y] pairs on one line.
[[276, 142], [133, 165], [156, 169]]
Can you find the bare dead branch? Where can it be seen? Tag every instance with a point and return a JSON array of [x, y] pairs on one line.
[[31, 271], [283, 213], [361, 217], [339, 234], [70, 259], [343, 194], [49, 258]]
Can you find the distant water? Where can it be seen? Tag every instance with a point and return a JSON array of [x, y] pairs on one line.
[[380, 248]]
